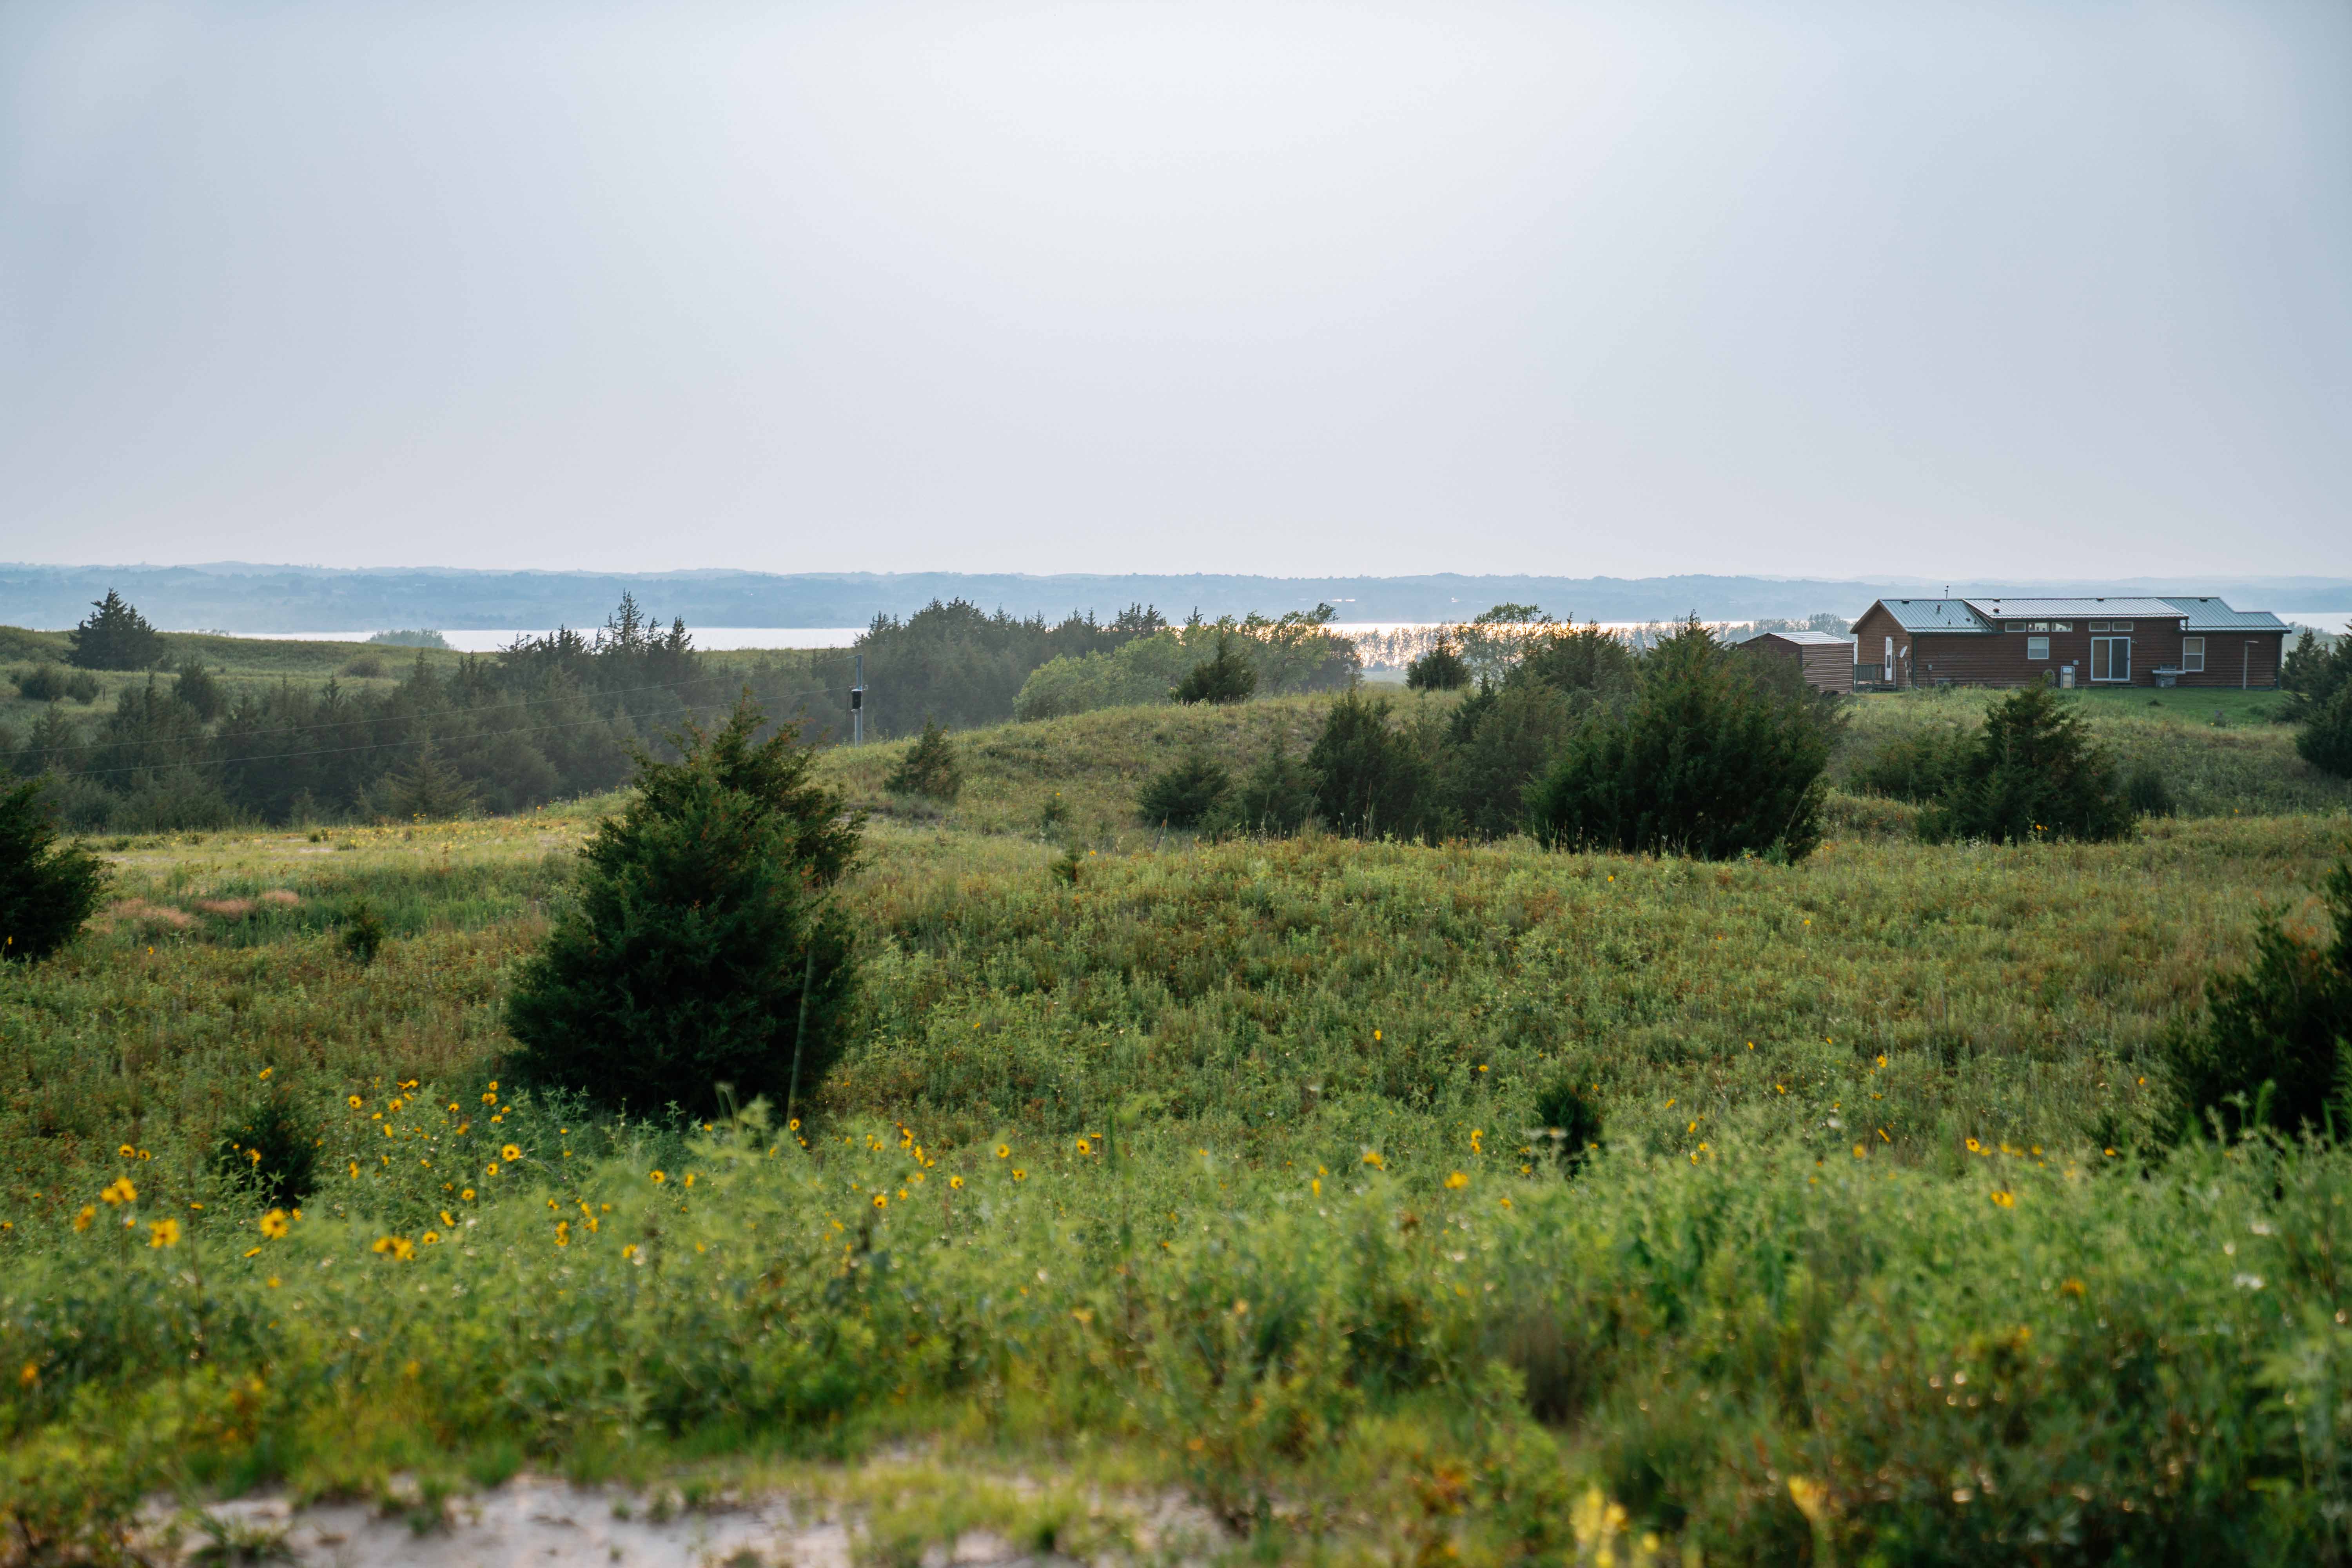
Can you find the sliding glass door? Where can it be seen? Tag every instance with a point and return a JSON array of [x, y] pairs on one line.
[[2111, 658]]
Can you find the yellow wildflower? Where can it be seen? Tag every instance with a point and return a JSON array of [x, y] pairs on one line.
[[1456, 1181], [273, 1225], [163, 1233], [510, 1153]]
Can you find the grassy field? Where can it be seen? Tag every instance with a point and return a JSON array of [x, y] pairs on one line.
[[1213, 1169]]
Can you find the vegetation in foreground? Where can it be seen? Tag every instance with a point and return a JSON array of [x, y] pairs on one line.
[[1266, 1221], [1374, 1192]]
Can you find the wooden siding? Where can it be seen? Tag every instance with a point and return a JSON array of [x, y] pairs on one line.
[[1997, 658], [1825, 666]]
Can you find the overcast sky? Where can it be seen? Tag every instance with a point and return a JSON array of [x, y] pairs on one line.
[[1795, 287]]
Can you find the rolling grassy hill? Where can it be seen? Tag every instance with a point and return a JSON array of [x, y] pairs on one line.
[[1213, 1169]]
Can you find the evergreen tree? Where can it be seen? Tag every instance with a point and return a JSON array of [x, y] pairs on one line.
[[197, 691], [1711, 760], [1511, 736], [930, 767], [1369, 779], [2274, 1041], [1275, 799], [2325, 739], [700, 937], [1228, 676], [47, 890], [2031, 773], [1442, 668], [115, 636], [1186, 793], [426, 790]]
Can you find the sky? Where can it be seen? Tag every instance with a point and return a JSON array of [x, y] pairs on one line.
[[1788, 287]]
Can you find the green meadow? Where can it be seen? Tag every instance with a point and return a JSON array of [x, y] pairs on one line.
[[1216, 1167]]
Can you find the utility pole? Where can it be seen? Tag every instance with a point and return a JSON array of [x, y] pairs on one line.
[[858, 704]]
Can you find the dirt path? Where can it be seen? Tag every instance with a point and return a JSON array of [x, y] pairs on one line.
[[536, 1521]]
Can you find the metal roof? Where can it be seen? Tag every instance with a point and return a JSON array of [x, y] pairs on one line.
[[1935, 615], [2126, 609], [1811, 639], [2213, 616]]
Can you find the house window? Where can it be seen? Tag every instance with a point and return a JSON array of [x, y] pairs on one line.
[[2029, 625], [2098, 625], [2037, 648], [2193, 656], [2061, 626]]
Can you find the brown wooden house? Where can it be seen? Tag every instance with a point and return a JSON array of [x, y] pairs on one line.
[[2098, 641], [1823, 658]]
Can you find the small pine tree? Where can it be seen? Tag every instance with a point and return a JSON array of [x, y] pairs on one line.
[[2273, 1041], [700, 937], [2031, 773], [426, 790], [1918, 765], [364, 933], [1186, 793], [115, 636], [1369, 779], [1569, 1117], [1442, 668], [1716, 757], [2146, 791], [1226, 677], [2325, 739], [930, 766], [47, 890], [1275, 800], [197, 691], [272, 1148]]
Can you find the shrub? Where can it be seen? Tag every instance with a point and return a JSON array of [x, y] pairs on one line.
[[2325, 739], [2031, 773], [1570, 1114], [367, 666], [2146, 792], [196, 688], [51, 683], [1442, 668], [1368, 779], [1500, 743], [1275, 799], [1916, 765], [47, 890], [1714, 758], [114, 637], [1228, 677], [1577, 659], [362, 932], [2276, 1036], [272, 1148], [929, 768], [1187, 792], [701, 949]]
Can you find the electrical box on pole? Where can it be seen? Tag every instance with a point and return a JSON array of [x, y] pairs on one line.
[[858, 704]]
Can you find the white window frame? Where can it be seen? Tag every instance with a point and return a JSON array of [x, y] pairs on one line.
[[2193, 656], [2037, 648]]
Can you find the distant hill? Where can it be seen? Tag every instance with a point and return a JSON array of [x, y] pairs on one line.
[[238, 598]]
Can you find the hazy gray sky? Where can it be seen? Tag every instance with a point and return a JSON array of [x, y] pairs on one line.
[[1789, 287]]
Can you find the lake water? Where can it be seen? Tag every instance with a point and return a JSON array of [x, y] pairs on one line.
[[730, 639]]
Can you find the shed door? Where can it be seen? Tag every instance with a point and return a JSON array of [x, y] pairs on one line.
[[1890, 660]]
